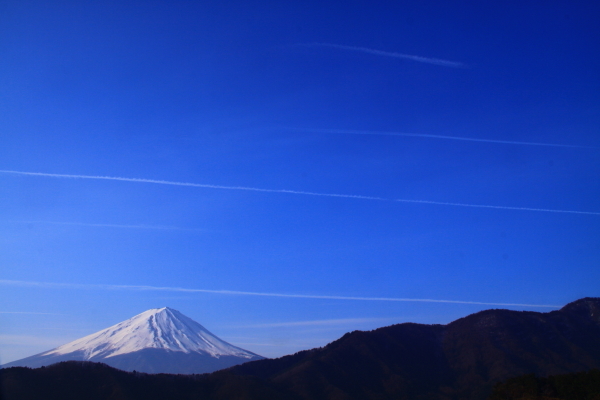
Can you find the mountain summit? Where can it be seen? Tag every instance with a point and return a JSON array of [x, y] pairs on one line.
[[161, 340]]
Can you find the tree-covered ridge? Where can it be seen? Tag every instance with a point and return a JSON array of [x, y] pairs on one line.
[[575, 386], [78, 380]]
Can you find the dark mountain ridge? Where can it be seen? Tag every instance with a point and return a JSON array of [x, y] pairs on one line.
[[460, 360]]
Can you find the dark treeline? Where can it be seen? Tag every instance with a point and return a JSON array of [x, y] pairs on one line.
[[79, 380], [74, 380], [575, 386]]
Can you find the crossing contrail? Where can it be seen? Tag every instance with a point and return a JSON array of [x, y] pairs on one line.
[[427, 60], [300, 192], [52, 285], [425, 135]]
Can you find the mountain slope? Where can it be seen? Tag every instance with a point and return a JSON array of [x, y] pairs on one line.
[[461, 360], [157, 340]]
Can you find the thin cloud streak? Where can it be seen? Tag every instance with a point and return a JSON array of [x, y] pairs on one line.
[[188, 184], [312, 344], [427, 60], [156, 227], [244, 293], [321, 322], [286, 191], [424, 135]]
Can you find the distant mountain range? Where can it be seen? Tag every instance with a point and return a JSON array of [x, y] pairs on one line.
[[461, 360], [160, 340]]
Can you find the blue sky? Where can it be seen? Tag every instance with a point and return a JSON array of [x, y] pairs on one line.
[[467, 103]]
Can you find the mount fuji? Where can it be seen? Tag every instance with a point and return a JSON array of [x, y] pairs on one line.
[[161, 340]]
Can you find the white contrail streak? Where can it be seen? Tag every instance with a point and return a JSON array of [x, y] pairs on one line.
[[424, 135], [428, 60], [243, 293], [444, 203], [157, 227], [348, 196], [199, 185]]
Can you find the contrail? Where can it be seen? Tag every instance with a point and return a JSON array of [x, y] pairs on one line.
[[424, 135], [199, 185], [347, 196], [428, 60], [157, 227], [243, 293]]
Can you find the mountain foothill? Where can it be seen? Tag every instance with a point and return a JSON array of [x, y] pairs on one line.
[[498, 353]]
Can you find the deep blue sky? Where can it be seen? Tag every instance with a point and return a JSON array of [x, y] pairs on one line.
[[267, 95]]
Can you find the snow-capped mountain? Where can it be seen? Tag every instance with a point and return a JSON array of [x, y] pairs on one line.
[[161, 340]]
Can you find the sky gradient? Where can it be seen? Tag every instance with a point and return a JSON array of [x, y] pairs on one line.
[[284, 173]]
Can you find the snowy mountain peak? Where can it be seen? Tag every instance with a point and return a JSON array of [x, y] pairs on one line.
[[158, 328]]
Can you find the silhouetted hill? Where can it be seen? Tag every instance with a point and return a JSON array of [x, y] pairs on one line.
[[461, 360], [78, 380]]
